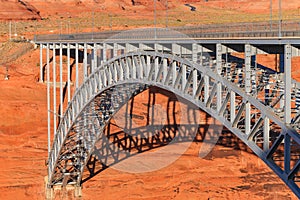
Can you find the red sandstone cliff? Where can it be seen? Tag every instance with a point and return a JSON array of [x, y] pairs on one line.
[[35, 9]]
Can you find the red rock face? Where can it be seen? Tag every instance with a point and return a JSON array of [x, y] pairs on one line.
[[34, 9]]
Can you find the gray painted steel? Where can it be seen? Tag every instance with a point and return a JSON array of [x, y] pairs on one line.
[[253, 102]]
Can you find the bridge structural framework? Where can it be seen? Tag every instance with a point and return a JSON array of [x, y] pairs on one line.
[[88, 81]]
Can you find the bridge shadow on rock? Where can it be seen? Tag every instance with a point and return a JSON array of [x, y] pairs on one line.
[[153, 120]]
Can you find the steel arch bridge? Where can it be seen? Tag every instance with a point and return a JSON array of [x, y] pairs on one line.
[[253, 102], [130, 74]]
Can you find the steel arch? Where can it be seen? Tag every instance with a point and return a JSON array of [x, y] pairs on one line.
[[265, 133]]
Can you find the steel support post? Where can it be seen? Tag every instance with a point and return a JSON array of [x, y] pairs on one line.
[[76, 66], [133, 67], [95, 64], [127, 48], [85, 72], [54, 89], [48, 98], [115, 51], [201, 55], [287, 153], [156, 67], [287, 82], [247, 118], [104, 56], [61, 80], [266, 134], [69, 72], [183, 74], [248, 68], [195, 84], [148, 60], [174, 72], [156, 47], [175, 49], [219, 71], [165, 69], [41, 64], [206, 88], [232, 106], [247, 87], [219, 58], [194, 52]]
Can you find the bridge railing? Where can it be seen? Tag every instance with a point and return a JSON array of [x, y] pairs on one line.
[[240, 30]]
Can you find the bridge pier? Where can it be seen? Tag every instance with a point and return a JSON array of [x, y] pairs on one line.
[[49, 191], [77, 191]]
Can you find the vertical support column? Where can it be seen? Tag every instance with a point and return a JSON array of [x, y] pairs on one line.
[[183, 74], [61, 80], [194, 52], [127, 48], [54, 89], [219, 71], [247, 87], [195, 78], [175, 49], [287, 153], [253, 74], [174, 72], [148, 66], [104, 58], [69, 72], [266, 133], [219, 58], [85, 73], [248, 68], [133, 75], [76, 66], [156, 67], [156, 47], [287, 82], [48, 98], [115, 50], [206, 88], [165, 69], [247, 118], [232, 106], [201, 55], [41, 64], [95, 58]]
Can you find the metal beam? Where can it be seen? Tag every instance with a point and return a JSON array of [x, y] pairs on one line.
[[248, 68], [219, 71], [69, 72], [48, 99], [266, 133], [85, 70], [41, 64], [61, 79], [54, 88], [76, 66], [287, 82]]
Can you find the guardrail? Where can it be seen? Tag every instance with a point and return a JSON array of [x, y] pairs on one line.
[[240, 30]]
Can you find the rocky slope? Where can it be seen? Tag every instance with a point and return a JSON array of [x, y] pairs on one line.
[[35, 9]]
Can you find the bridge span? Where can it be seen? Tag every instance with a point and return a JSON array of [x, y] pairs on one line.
[[90, 79]]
